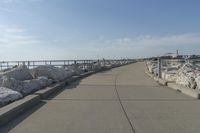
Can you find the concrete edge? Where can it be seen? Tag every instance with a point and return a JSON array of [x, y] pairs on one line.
[[184, 90], [46, 92], [12, 110]]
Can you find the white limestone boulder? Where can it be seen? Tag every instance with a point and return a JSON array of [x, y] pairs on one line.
[[27, 86], [197, 79], [186, 80], [169, 75], [151, 66], [11, 83], [51, 72], [8, 95], [30, 86], [21, 73], [73, 70], [96, 66], [186, 76]]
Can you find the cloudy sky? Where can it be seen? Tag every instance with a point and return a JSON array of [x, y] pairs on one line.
[[87, 29]]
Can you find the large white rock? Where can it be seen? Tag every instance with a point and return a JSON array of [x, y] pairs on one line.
[[27, 86], [30, 86], [51, 72], [169, 75], [197, 79], [73, 69], [186, 80], [96, 66], [19, 73], [151, 66], [186, 76], [11, 83], [8, 95]]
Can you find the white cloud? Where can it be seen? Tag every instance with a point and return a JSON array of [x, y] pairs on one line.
[[14, 37], [144, 45], [154, 41]]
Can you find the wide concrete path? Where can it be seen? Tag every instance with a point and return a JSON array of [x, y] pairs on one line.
[[123, 100]]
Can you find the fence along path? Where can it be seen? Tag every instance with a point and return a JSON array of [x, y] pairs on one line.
[[57, 63]]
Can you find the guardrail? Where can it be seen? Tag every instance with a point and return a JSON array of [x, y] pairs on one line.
[[162, 63], [59, 63]]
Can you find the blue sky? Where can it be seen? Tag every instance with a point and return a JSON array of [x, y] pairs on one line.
[[87, 29]]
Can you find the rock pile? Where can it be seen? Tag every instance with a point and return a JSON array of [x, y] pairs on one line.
[[152, 67], [19, 73], [21, 81], [51, 72], [8, 95], [185, 74]]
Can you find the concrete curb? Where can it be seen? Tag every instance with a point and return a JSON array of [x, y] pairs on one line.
[[184, 90], [46, 92], [14, 109]]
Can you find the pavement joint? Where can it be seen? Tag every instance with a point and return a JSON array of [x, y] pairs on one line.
[[81, 100], [94, 85], [122, 106], [118, 85], [183, 100]]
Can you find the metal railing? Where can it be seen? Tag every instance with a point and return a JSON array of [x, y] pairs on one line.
[[59, 63], [162, 63]]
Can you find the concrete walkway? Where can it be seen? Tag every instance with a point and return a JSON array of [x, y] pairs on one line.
[[123, 100]]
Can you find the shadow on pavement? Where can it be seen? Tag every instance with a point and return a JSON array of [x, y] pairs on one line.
[[16, 121], [6, 128]]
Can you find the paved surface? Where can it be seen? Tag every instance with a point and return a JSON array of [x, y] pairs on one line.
[[123, 100]]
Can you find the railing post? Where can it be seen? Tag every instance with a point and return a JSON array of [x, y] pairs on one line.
[[104, 62], [64, 64], [75, 65], [33, 64], [28, 64], [159, 67], [84, 65], [99, 65]]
